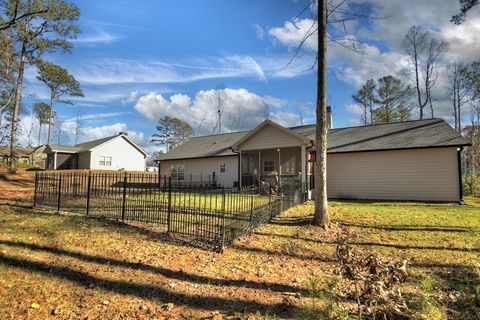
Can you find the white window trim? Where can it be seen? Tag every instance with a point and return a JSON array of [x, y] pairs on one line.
[[105, 160], [224, 165]]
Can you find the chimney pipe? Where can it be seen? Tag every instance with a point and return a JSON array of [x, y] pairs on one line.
[[329, 118]]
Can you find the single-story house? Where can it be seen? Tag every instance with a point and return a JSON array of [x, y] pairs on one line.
[[23, 155], [411, 160], [112, 153]]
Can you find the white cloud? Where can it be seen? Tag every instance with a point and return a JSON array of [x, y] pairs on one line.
[[117, 71], [249, 64], [286, 119], [99, 37], [241, 109], [258, 31], [95, 116], [132, 97], [294, 31]]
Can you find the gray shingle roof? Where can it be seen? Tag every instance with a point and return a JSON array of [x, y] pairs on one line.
[[21, 152], [87, 145], [92, 144], [392, 136], [205, 146], [61, 148]]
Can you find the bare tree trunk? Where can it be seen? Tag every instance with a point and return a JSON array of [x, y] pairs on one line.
[[50, 114], [455, 105], [16, 108], [39, 132], [431, 106], [371, 113], [321, 217], [459, 112], [417, 79]]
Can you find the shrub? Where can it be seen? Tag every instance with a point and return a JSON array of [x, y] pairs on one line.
[[372, 280]]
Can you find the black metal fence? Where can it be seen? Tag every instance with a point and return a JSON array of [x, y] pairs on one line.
[[212, 216]]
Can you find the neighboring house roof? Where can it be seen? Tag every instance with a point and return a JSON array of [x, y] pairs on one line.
[[89, 145], [61, 148], [392, 136], [21, 152], [206, 146]]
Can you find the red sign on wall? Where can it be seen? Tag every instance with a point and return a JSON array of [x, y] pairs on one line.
[[312, 156]]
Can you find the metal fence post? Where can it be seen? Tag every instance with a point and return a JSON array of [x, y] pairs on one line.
[[224, 217], [169, 206], [251, 206], [59, 191], [270, 200], [89, 185], [124, 201], [35, 192]]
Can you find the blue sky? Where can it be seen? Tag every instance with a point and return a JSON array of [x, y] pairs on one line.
[[140, 60]]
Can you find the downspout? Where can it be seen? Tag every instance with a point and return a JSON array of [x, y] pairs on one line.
[[459, 164]]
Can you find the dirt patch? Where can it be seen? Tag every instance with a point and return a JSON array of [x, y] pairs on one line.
[[17, 188]]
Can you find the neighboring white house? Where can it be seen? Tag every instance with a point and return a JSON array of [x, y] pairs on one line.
[[111, 153], [412, 160]]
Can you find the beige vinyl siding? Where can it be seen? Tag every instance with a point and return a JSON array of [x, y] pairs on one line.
[[417, 174], [270, 137], [204, 167]]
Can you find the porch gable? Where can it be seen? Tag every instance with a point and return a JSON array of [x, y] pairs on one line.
[[270, 135]]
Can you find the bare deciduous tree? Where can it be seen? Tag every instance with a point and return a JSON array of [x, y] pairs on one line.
[[334, 13], [459, 90], [424, 52], [321, 216]]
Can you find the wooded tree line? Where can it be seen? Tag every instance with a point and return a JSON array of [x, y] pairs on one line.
[[389, 99], [28, 30]]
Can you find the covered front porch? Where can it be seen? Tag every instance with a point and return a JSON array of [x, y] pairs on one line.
[[275, 166], [275, 155]]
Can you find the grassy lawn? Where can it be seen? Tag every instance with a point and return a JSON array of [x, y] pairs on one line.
[[78, 268]]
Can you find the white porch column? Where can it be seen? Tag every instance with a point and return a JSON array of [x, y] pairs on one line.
[[259, 167], [279, 167], [55, 161], [240, 170], [303, 166]]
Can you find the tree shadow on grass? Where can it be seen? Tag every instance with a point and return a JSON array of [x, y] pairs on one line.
[[147, 291], [292, 221], [370, 244], [410, 227], [294, 255], [168, 273], [458, 283]]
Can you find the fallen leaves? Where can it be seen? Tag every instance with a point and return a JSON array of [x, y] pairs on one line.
[[35, 305]]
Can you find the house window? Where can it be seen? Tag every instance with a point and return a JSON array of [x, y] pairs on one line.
[[105, 161], [268, 166], [222, 167], [178, 172]]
